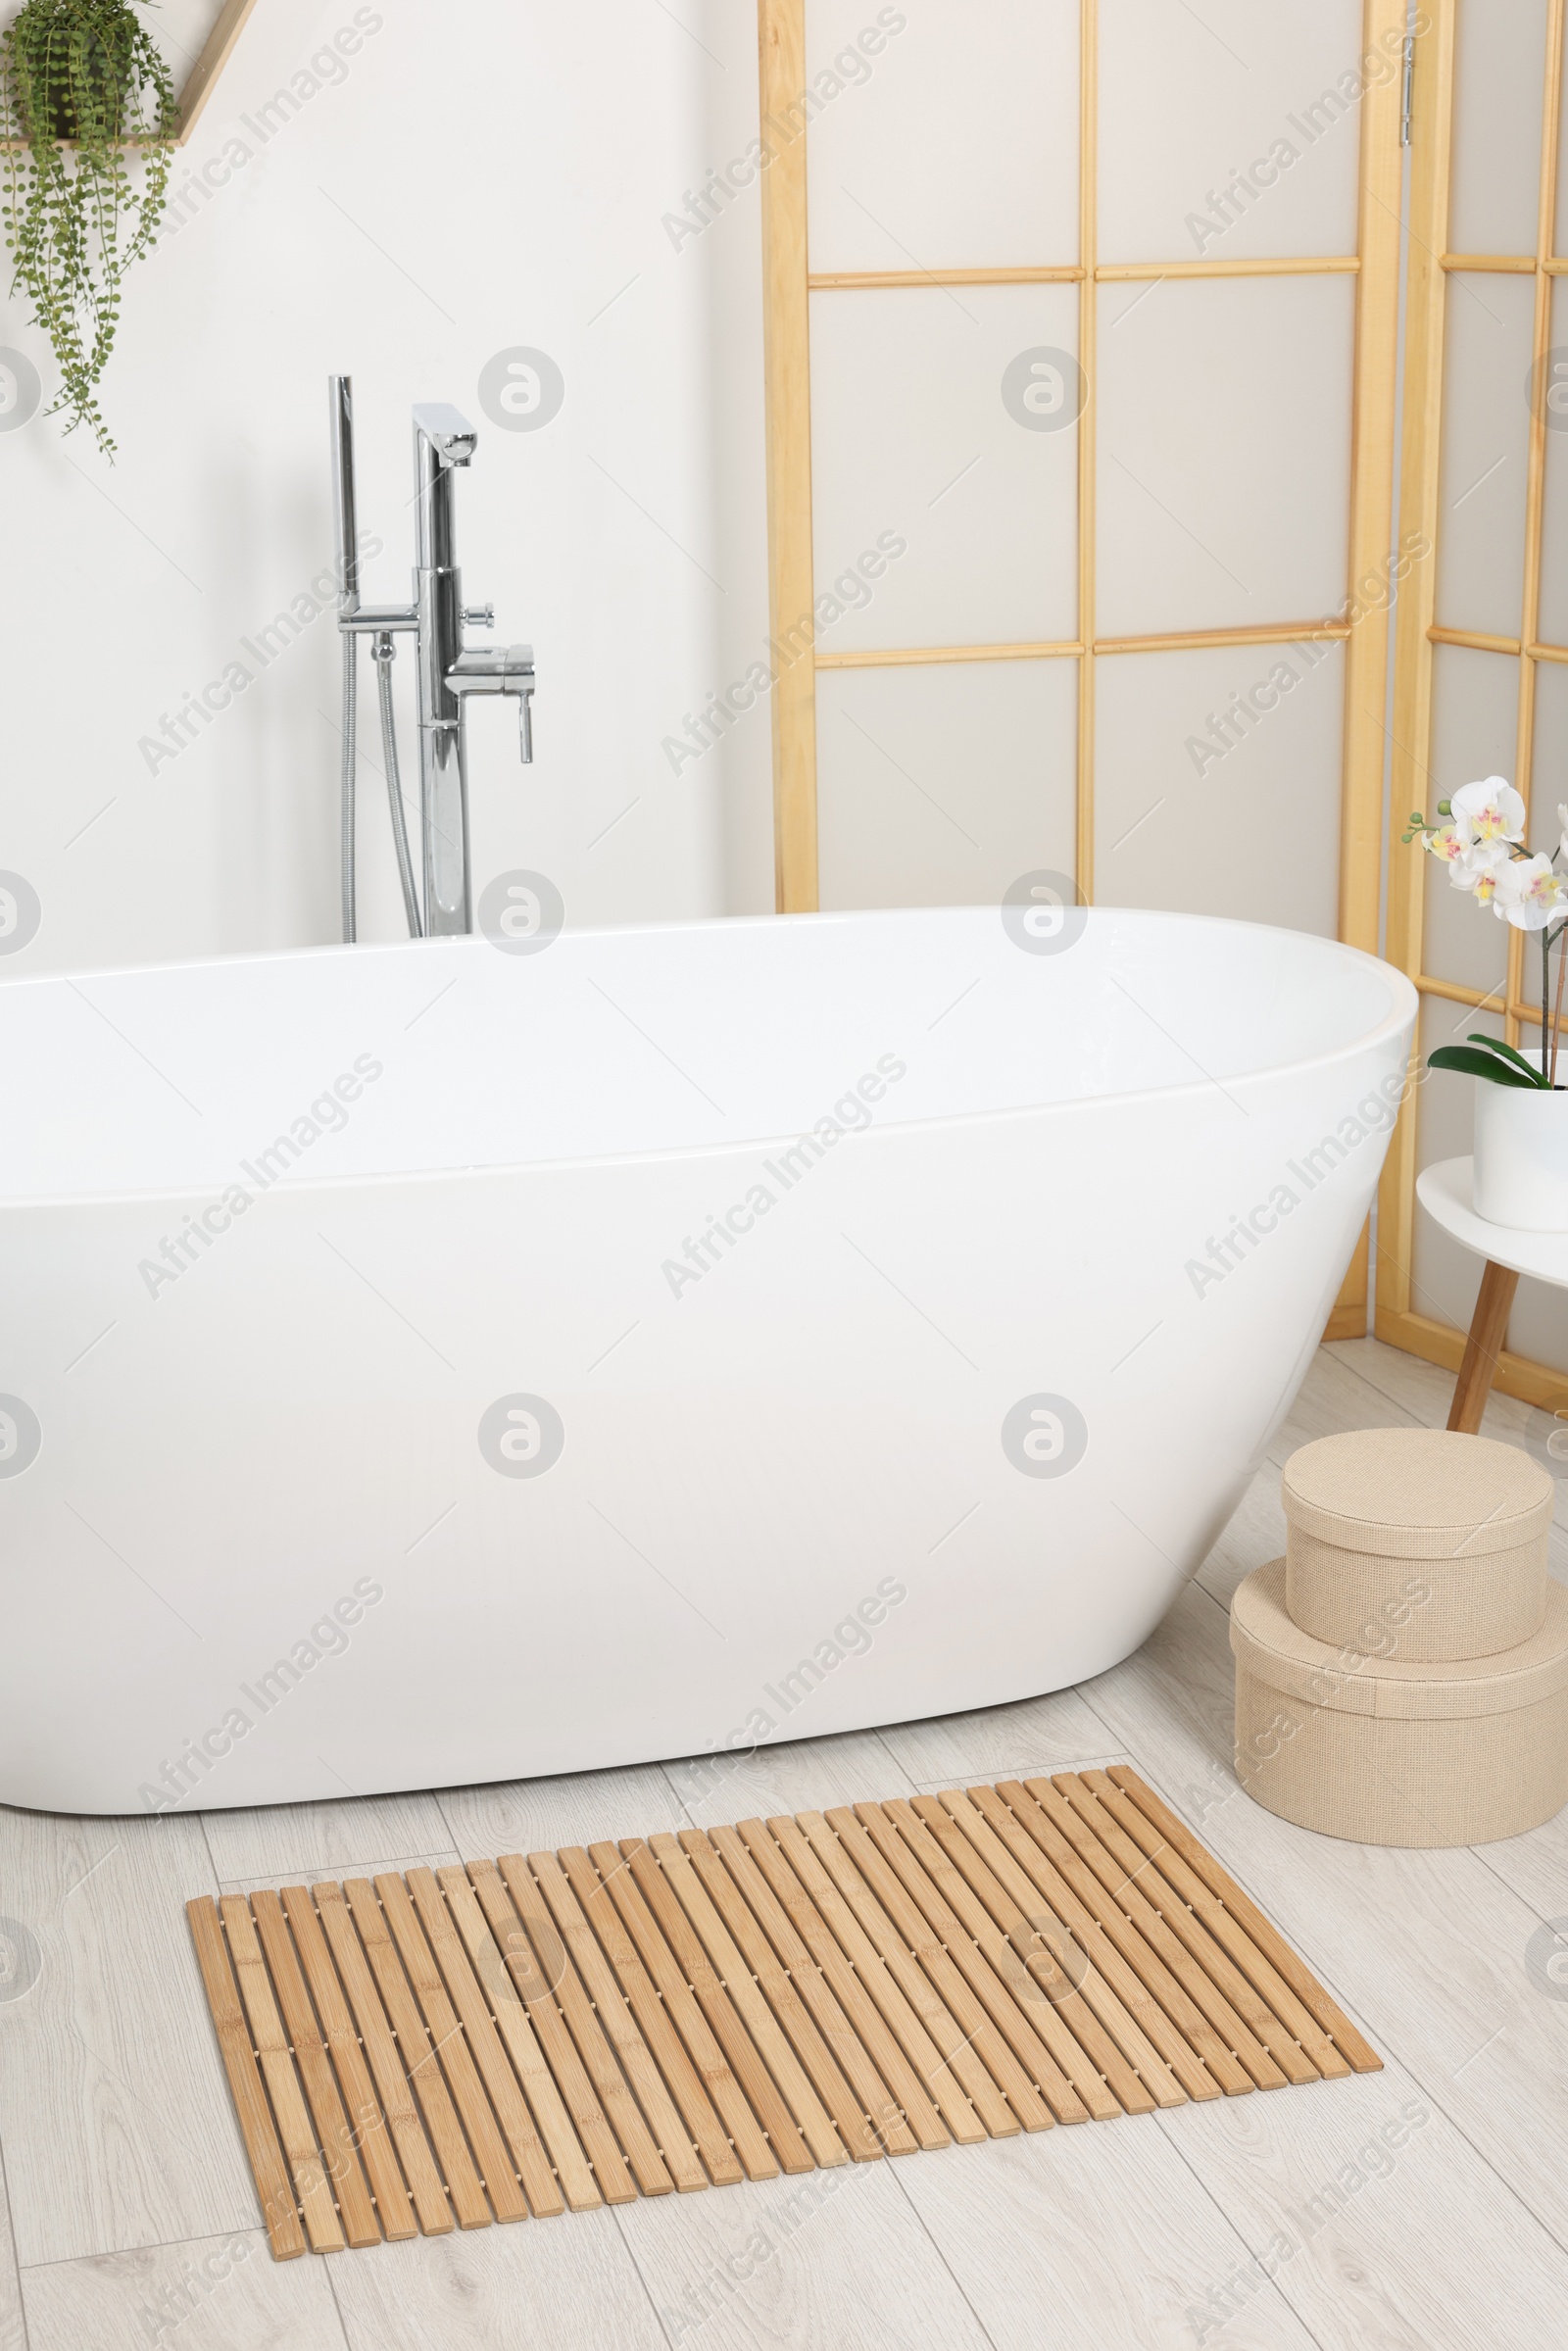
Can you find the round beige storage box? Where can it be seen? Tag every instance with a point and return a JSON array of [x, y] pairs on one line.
[[1394, 1752], [1376, 1510]]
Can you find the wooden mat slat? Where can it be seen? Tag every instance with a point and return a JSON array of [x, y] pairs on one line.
[[356, 2212], [801, 1942], [1210, 2056], [526, 2148], [1099, 1988], [1289, 2063], [397, 2093], [904, 2018], [778, 1988], [928, 1840], [364, 1918], [491, 2153], [1270, 1987], [535, 2034], [1001, 2091], [758, 2014], [613, 2009], [1304, 2030], [1128, 1998], [621, 2111], [572, 2170], [306, 2168], [279, 2212], [652, 2020], [372, 2133], [762, 2093], [857, 1993], [872, 2099], [1269, 1942], [613, 2182], [1056, 2008], [1127, 1899], [748, 2139], [1042, 2077]]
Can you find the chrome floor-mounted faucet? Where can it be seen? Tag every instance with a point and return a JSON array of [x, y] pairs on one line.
[[448, 671]]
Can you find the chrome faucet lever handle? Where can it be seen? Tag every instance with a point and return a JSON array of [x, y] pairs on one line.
[[479, 615], [498, 669]]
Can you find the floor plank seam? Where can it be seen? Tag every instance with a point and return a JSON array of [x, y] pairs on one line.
[[1250, 2259], [8, 2250], [1456, 2124]]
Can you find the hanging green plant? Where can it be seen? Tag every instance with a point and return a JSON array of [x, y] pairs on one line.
[[81, 83]]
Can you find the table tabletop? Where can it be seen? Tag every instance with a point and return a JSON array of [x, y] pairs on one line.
[[1444, 1191]]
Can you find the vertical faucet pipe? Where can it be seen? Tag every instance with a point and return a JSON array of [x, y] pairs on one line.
[[340, 395], [443, 441]]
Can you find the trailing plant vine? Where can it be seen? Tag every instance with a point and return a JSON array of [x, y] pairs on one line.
[[81, 82]]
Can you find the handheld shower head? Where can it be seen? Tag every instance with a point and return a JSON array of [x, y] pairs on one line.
[[340, 408]]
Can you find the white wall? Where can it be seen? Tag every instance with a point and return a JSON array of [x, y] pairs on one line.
[[474, 177]]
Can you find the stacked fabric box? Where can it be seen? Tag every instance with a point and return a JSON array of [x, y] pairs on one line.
[[1402, 1674]]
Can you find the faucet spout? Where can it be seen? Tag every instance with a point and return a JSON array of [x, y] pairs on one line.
[[448, 431]]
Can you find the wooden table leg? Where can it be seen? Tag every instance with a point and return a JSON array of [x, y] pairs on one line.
[[1488, 1327]]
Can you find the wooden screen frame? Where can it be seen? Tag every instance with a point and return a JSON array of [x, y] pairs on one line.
[[788, 286], [1431, 264]]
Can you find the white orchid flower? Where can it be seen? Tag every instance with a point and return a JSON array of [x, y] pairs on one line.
[[1478, 867], [1491, 811], [1527, 893], [1448, 844]]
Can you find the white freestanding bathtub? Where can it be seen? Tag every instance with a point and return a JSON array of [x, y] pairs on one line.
[[439, 1363]]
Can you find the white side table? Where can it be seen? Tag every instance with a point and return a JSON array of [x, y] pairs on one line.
[[1445, 1191]]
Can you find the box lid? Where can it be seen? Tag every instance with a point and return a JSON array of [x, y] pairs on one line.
[[1319, 1673], [1418, 1494]]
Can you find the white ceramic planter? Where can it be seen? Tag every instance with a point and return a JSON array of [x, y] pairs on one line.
[[1521, 1170]]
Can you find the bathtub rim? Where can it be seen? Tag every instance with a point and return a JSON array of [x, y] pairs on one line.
[[1402, 1012]]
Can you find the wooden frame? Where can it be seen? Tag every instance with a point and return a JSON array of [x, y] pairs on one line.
[[1366, 672], [1088, 437], [216, 53], [789, 285], [1399, 1319], [787, 370]]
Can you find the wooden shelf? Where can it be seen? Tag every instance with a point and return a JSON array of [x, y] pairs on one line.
[[232, 18]]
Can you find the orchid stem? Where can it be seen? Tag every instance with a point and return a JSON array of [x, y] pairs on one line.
[[1546, 997]]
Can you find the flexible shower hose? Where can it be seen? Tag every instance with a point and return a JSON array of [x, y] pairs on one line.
[[384, 650], [350, 711]]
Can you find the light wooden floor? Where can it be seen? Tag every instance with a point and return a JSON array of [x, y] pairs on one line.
[[121, 2174]]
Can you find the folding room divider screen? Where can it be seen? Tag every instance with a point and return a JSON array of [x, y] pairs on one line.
[[1042, 598], [1481, 662]]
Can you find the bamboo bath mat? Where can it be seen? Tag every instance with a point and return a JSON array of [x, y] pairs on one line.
[[527, 2035]]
